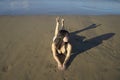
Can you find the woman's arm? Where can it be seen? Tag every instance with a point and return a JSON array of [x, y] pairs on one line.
[[69, 49], [55, 54]]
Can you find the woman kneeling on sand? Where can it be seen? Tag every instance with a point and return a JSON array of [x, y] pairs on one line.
[[61, 45]]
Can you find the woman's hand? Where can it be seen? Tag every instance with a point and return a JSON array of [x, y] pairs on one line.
[[60, 66], [63, 66]]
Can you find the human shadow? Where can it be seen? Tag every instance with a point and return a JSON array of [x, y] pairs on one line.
[[89, 27], [79, 45]]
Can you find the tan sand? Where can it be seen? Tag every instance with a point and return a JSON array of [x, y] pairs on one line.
[[25, 48]]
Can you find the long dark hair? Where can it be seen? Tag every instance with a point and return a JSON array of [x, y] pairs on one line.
[[59, 39]]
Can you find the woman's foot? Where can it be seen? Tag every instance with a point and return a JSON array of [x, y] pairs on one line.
[[62, 21], [58, 19]]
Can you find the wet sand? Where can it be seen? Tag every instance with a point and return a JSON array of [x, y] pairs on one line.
[[25, 48]]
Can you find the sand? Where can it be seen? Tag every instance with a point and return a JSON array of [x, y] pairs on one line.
[[25, 48]]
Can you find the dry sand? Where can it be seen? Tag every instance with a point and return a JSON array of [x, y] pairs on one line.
[[25, 48]]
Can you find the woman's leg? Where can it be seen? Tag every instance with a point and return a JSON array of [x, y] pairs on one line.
[[57, 25], [62, 24]]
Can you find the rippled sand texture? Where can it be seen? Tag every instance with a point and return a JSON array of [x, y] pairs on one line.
[[25, 48]]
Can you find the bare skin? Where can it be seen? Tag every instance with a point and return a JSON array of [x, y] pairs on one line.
[[62, 49]]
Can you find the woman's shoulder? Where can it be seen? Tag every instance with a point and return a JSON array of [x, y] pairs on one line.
[[53, 45], [69, 45]]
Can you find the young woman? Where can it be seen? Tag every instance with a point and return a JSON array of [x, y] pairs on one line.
[[61, 45]]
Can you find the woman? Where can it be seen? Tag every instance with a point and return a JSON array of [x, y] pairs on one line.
[[61, 45]]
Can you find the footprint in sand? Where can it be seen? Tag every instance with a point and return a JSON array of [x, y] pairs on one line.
[[49, 65], [6, 68]]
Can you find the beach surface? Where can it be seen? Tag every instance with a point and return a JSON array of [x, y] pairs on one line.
[[25, 48]]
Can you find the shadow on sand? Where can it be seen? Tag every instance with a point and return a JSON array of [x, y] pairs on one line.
[[80, 45]]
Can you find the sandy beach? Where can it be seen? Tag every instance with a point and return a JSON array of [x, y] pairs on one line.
[[25, 48]]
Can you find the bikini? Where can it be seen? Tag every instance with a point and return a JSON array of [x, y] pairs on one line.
[[65, 47], [65, 50], [61, 55]]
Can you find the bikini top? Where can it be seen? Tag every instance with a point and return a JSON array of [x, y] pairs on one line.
[[65, 49]]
